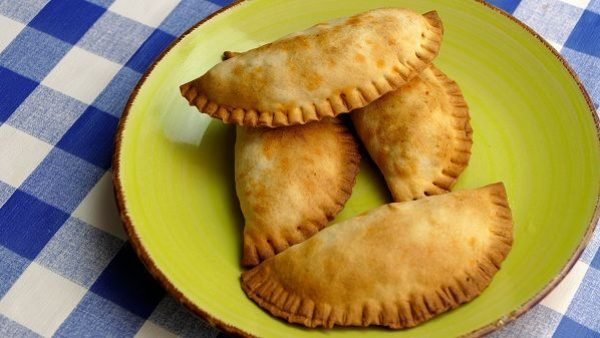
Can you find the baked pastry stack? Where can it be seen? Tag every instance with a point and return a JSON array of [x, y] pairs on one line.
[[296, 162]]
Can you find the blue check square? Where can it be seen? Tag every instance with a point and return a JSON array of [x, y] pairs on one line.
[[173, 316], [62, 180], [115, 37], [187, 14], [127, 283], [95, 316], [569, 328], [79, 252], [33, 54], [150, 50], [585, 37], [21, 10], [595, 263], [19, 88], [67, 20], [9, 328], [507, 5], [114, 97], [47, 114], [91, 137], [12, 266], [222, 3], [27, 224]]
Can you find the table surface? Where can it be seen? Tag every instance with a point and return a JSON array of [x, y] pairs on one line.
[[67, 68]]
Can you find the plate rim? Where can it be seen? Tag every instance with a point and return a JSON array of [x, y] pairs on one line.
[[144, 255]]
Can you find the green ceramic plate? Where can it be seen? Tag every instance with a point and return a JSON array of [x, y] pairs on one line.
[[534, 129]]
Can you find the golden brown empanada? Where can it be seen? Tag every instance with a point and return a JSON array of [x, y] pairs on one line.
[[396, 266], [326, 70], [419, 135], [291, 182]]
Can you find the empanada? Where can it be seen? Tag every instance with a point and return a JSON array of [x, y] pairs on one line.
[[396, 266], [326, 70], [419, 135], [291, 182]]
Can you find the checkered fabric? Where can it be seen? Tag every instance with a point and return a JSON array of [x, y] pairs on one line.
[[67, 68]]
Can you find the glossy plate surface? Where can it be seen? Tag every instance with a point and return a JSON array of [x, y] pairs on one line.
[[533, 129]]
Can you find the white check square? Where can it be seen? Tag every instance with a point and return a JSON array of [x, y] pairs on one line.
[[99, 210], [10, 29], [560, 298], [21, 153], [556, 45], [577, 3], [81, 75], [150, 13], [553, 20], [41, 300]]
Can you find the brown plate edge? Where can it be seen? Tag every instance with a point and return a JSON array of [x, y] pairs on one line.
[[120, 200], [487, 329], [172, 289]]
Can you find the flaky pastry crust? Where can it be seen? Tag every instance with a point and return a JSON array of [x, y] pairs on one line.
[[396, 266], [291, 182], [419, 136], [326, 70]]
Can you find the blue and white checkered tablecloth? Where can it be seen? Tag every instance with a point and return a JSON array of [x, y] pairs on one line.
[[67, 68]]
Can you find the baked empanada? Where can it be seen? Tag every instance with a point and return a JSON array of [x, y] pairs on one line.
[[396, 266], [419, 135], [291, 182], [326, 70]]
